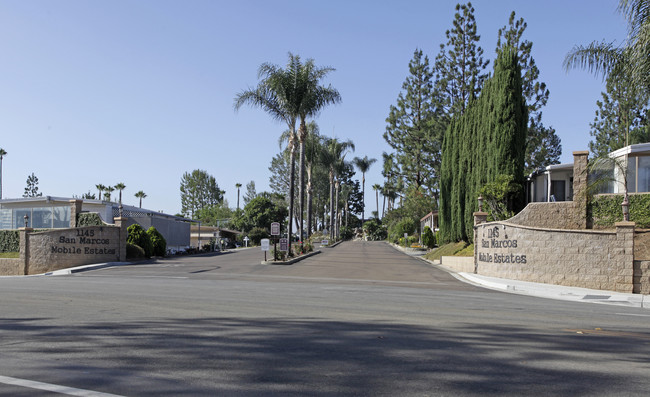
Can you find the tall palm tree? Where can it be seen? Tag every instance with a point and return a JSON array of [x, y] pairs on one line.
[[120, 186], [312, 148], [331, 157], [632, 59], [140, 195], [377, 187], [238, 186], [315, 98], [107, 192], [2, 154], [279, 94], [363, 165], [100, 190]]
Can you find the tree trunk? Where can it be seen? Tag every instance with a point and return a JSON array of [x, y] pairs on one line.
[[309, 201], [336, 209], [292, 180], [301, 192], [331, 221]]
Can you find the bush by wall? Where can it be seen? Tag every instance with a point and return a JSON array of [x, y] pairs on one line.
[[9, 241], [134, 252], [158, 241], [606, 210], [138, 236], [428, 238], [89, 219]]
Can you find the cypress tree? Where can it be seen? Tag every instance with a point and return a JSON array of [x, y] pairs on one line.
[[488, 140]]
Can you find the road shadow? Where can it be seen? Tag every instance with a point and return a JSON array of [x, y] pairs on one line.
[[295, 357]]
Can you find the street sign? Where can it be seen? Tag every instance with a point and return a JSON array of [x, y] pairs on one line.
[[265, 242], [284, 244], [325, 242], [275, 229]]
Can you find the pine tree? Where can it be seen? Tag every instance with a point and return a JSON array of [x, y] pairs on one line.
[[622, 118], [413, 130], [31, 190], [459, 68]]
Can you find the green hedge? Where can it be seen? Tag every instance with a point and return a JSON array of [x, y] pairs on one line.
[[89, 219], [606, 210], [9, 241]]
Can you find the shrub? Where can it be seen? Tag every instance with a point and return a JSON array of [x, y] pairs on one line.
[[347, 233], [428, 238], [138, 236], [606, 210], [158, 241], [397, 230], [134, 252], [256, 234], [89, 219], [9, 241], [374, 230]]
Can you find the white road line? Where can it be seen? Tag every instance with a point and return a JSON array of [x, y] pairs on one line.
[[71, 391], [632, 314]]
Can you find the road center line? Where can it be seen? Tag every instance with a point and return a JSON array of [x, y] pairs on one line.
[[71, 391]]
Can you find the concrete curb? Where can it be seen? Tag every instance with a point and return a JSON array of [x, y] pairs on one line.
[[79, 269], [291, 261]]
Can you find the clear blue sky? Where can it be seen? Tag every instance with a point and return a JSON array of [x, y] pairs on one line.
[[141, 91]]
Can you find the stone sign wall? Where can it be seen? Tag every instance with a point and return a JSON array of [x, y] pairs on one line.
[[62, 248], [580, 258]]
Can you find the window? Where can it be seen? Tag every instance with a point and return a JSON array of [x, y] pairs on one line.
[[631, 175], [558, 190], [61, 217], [643, 174]]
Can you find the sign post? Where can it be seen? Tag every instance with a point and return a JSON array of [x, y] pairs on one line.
[[275, 233], [284, 244], [265, 246]]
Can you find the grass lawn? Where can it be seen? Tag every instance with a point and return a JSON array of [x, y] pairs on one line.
[[9, 254], [460, 248]]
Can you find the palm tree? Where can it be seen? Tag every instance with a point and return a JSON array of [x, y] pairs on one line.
[[2, 154], [363, 165], [332, 157], [107, 192], [278, 93], [120, 186], [377, 187], [632, 59], [315, 98], [100, 189], [238, 186], [140, 195], [312, 148]]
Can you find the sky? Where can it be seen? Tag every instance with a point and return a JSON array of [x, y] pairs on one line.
[[140, 92]]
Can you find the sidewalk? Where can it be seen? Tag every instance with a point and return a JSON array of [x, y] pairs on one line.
[[559, 292], [550, 291]]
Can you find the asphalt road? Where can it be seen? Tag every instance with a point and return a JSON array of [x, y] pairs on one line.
[[359, 319]]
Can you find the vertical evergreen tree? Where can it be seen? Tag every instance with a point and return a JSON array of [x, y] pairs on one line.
[[486, 141], [31, 190], [198, 190], [543, 146], [413, 130]]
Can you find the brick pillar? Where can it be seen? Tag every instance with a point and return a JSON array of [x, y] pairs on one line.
[[479, 217], [580, 180], [75, 209], [121, 223], [623, 272], [24, 232]]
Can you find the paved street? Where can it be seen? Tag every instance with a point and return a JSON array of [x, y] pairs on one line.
[[358, 319]]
